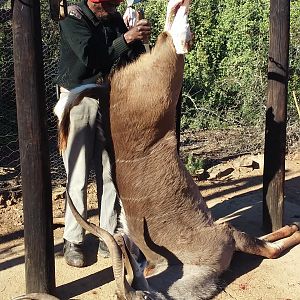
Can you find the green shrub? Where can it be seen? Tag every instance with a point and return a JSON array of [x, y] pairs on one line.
[[194, 163], [225, 77]]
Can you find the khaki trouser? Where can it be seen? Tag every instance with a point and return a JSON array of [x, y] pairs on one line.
[[82, 150]]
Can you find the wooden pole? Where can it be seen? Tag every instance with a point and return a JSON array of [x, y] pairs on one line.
[[275, 134], [33, 145]]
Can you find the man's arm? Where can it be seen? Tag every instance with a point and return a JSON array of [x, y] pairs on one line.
[[90, 49]]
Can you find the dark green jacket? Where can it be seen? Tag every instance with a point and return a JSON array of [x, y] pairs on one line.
[[91, 48]]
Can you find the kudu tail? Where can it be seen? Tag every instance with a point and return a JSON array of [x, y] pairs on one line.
[[63, 131], [75, 98]]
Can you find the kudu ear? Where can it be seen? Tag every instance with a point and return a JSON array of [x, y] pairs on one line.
[[135, 272], [129, 270]]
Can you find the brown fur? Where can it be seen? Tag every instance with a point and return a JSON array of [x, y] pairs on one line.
[[156, 190], [165, 214]]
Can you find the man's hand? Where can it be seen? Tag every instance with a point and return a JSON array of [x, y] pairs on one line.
[[140, 31]]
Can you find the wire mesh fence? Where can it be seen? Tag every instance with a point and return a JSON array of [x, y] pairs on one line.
[[10, 178], [9, 153]]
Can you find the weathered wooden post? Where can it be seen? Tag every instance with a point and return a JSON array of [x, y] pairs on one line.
[[33, 144], [275, 134]]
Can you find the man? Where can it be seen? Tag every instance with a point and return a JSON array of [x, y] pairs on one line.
[[94, 40]]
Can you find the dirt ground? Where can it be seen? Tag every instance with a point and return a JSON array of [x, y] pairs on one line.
[[233, 191]]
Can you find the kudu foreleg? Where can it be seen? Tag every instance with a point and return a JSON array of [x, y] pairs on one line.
[[268, 246], [281, 233]]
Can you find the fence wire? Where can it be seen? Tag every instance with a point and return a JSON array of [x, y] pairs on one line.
[[10, 171]]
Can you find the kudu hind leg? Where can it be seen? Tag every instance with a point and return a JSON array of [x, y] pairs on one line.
[[251, 245]]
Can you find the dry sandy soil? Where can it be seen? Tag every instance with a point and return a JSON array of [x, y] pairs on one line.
[[235, 195]]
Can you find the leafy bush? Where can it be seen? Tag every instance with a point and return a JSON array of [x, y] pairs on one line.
[[225, 77], [226, 72], [194, 164]]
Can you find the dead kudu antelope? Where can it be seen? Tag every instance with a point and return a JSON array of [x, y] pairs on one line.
[[164, 214]]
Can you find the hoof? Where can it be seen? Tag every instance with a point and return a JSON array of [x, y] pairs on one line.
[[296, 224]]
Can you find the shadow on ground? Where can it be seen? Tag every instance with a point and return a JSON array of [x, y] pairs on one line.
[[244, 211]]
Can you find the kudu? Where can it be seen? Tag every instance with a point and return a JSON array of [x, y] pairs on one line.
[[164, 214]]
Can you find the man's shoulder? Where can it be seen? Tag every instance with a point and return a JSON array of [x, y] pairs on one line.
[[75, 11]]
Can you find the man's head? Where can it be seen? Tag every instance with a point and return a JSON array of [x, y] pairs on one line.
[[103, 8]]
